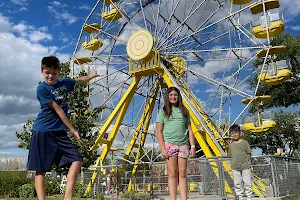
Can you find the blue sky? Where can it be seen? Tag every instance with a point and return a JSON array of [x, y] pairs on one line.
[[31, 29]]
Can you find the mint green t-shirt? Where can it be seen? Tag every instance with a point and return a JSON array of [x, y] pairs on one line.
[[174, 128]]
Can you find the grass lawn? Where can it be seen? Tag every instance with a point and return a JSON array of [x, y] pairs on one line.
[[55, 197], [59, 197]]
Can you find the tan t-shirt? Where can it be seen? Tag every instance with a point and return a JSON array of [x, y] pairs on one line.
[[239, 153]]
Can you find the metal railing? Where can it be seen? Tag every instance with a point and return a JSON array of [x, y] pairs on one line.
[[278, 176]]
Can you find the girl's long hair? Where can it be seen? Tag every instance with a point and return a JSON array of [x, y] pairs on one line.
[[168, 106]]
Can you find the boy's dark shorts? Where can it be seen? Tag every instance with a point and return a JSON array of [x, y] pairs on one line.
[[49, 147]]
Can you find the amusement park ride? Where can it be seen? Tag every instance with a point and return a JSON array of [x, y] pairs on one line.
[[206, 48]]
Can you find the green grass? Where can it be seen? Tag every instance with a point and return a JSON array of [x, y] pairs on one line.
[[293, 197], [56, 197]]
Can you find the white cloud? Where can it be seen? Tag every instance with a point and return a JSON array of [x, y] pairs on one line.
[[290, 8], [55, 8], [20, 2], [21, 28], [57, 3], [32, 33], [84, 7], [5, 25], [36, 36], [296, 28], [23, 9]]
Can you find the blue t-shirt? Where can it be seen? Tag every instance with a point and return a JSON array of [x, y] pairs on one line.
[[47, 119]]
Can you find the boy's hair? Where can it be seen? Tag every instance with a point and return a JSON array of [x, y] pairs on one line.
[[50, 62], [234, 128]]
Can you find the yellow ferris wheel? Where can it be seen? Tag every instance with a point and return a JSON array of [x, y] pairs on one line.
[[205, 48]]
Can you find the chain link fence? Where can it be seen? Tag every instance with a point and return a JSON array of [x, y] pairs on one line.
[[276, 176]]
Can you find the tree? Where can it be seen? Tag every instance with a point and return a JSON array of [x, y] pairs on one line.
[[286, 134], [288, 93], [81, 116]]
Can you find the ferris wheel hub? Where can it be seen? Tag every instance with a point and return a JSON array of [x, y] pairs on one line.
[[140, 45]]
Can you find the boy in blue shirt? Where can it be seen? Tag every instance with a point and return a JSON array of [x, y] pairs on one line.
[[49, 141]]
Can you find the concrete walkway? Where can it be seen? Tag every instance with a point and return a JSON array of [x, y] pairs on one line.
[[209, 197]]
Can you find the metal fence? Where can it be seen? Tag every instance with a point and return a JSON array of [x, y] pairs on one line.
[[279, 176]]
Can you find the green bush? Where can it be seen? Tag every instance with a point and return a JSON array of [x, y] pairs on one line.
[[293, 197], [79, 190], [142, 197], [11, 181], [52, 185], [133, 196], [27, 190], [100, 196], [128, 195]]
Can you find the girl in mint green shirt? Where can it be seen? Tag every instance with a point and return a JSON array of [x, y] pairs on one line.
[[174, 133]]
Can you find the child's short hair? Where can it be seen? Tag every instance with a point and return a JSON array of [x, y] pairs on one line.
[[50, 62], [235, 128]]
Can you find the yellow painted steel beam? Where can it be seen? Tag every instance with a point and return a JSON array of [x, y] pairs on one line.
[[120, 109], [145, 121], [126, 97], [88, 188], [117, 125], [208, 121]]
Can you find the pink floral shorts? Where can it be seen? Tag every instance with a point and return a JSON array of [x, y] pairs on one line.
[[175, 150]]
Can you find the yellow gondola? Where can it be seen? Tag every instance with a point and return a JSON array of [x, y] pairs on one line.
[[259, 7], [111, 16], [268, 24], [82, 60], [281, 76], [240, 2], [274, 50], [274, 73], [109, 1], [274, 29], [265, 127], [256, 99], [92, 27], [93, 45]]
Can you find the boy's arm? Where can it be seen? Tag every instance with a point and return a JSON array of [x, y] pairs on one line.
[[65, 119], [86, 79], [249, 151]]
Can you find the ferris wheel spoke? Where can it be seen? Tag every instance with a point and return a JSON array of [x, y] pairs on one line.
[[215, 82], [126, 17], [183, 22], [142, 8], [212, 24], [113, 37], [240, 68], [168, 20], [185, 38], [214, 50], [108, 28], [152, 13], [156, 21]]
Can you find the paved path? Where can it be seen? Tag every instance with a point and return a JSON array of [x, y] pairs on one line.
[[209, 197]]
